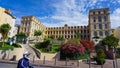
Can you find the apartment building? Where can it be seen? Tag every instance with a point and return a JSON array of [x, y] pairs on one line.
[[99, 26], [7, 17], [29, 24], [99, 23]]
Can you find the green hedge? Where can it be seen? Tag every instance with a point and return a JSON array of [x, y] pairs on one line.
[[76, 56], [16, 45], [6, 46]]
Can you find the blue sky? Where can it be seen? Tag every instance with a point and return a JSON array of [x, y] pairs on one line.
[[60, 12]]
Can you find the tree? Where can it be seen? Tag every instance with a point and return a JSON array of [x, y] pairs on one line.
[[78, 35], [111, 41], [88, 45], [4, 29], [52, 37], [60, 38], [21, 36], [37, 33], [100, 59]]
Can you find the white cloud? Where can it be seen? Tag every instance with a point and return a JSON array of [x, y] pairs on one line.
[[118, 1], [76, 13], [69, 12], [115, 18]]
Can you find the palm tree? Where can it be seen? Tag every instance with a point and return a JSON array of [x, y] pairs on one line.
[[4, 29]]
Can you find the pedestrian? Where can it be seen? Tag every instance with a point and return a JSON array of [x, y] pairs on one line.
[[24, 62]]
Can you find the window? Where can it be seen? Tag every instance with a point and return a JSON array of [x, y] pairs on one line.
[[95, 34], [106, 33], [101, 33], [106, 26], [99, 19], [94, 19], [104, 11], [59, 32], [98, 12], [88, 31], [93, 12], [100, 26], [94, 26], [105, 19]]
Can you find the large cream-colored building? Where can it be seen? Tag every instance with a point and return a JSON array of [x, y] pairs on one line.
[[99, 23], [29, 24], [7, 17], [68, 31], [99, 26]]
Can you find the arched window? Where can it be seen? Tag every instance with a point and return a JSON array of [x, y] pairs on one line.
[[95, 34], [105, 18], [94, 26], [94, 19], [101, 33], [99, 19], [98, 12], [100, 26], [106, 33], [106, 26]]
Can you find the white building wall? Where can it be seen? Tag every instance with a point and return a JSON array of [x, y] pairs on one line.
[[12, 30]]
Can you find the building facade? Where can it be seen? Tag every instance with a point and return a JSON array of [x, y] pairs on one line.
[[99, 23], [7, 17], [29, 24], [99, 26], [68, 32]]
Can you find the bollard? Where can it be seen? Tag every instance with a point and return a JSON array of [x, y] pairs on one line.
[[66, 61], [114, 64], [44, 60], [55, 61], [78, 64], [33, 58], [102, 65], [89, 63]]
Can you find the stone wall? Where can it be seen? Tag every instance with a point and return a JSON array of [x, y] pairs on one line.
[[9, 54]]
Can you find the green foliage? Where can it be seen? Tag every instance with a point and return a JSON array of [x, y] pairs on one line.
[[78, 35], [100, 53], [45, 47], [111, 41], [4, 29], [6, 46], [55, 48], [42, 45], [118, 53], [60, 38], [16, 45], [100, 59], [74, 41], [52, 36], [21, 35], [76, 56], [37, 33]]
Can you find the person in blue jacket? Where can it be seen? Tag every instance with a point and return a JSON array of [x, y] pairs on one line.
[[24, 62]]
